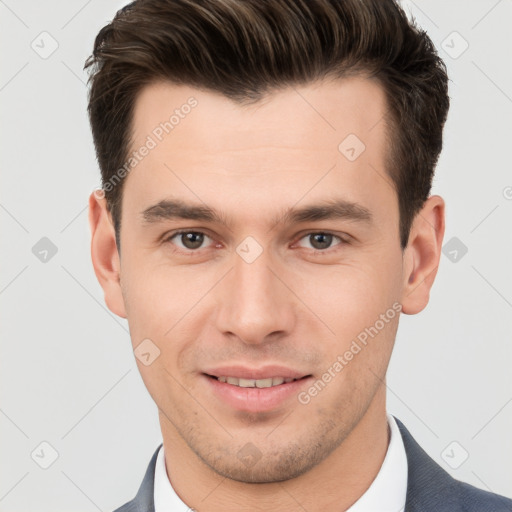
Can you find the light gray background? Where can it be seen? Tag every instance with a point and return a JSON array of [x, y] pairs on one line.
[[68, 374]]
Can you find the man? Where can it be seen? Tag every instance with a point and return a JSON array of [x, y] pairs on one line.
[[264, 219]]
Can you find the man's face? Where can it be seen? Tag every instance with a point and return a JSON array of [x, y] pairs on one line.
[[263, 289]]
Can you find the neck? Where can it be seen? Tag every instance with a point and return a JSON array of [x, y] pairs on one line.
[[335, 483]]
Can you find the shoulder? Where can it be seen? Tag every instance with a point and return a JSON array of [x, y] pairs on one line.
[[144, 499], [474, 499], [131, 506], [430, 487]]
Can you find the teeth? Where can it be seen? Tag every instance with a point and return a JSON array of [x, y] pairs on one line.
[[254, 383], [264, 383]]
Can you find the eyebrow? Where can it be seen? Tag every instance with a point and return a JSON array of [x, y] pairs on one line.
[[170, 209]]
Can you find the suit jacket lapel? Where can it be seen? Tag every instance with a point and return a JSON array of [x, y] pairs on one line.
[[429, 486], [144, 499]]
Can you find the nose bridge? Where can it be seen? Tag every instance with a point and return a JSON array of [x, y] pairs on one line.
[[254, 302]]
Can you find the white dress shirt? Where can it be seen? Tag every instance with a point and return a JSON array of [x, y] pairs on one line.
[[386, 493]]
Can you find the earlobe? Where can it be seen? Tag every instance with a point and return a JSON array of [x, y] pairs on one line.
[[104, 254], [422, 254]]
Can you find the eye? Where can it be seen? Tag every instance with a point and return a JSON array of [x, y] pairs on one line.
[[322, 240], [190, 240]]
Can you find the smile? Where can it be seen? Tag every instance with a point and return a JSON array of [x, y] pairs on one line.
[[255, 395]]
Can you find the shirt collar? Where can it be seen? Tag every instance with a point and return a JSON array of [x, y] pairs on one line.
[[387, 492]]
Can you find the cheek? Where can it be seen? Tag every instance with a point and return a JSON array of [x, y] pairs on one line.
[[350, 297], [359, 305], [159, 304], [158, 295], [166, 305]]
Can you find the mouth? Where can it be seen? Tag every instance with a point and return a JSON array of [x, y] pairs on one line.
[[255, 395]]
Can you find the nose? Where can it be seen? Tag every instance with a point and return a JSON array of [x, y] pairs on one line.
[[254, 301]]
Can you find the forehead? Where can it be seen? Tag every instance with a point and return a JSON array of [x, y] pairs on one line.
[[206, 147], [288, 117]]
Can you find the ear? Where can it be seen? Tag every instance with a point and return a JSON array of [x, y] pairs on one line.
[[422, 254], [104, 254]]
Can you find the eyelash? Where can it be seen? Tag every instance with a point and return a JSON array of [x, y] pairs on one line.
[[192, 252]]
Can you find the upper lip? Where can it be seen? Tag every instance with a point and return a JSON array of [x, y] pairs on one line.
[[265, 372]]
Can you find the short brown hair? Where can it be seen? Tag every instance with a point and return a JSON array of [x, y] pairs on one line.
[[245, 49]]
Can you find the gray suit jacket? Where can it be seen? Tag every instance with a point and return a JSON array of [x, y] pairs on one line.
[[429, 488]]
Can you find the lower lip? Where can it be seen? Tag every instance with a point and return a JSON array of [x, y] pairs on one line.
[[256, 399]]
